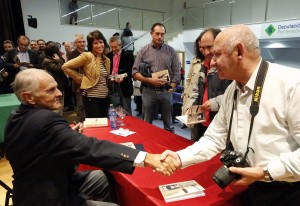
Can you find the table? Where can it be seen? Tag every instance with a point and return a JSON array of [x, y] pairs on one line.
[[8, 102], [141, 188]]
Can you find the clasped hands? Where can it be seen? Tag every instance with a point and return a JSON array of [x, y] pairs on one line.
[[166, 163]]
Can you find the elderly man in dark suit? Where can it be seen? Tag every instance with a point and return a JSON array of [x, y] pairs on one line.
[[121, 62], [20, 58], [43, 151]]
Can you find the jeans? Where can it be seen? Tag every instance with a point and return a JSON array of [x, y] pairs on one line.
[[163, 99]]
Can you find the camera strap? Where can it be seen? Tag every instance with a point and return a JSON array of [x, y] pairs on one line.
[[254, 108]]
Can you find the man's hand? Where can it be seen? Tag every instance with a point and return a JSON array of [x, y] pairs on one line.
[[249, 174], [56, 57], [153, 161], [206, 106], [170, 156], [17, 66], [78, 127], [157, 81]]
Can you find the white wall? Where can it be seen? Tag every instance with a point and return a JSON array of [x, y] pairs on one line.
[[49, 27]]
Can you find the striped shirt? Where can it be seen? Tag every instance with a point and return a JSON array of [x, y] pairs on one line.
[[100, 90]]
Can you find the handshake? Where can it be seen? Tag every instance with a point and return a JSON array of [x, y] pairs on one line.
[[166, 163]]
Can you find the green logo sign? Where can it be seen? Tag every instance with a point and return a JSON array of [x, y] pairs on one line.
[[270, 30]]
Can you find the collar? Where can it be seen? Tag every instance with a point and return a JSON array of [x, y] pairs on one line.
[[157, 47], [251, 82], [22, 51], [119, 53]]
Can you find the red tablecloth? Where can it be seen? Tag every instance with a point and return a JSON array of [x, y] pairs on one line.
[[141, 188]]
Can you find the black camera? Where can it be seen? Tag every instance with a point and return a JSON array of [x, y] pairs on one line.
[[223, 176]]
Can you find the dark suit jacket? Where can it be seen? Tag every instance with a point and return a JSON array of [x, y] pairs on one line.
[[43, 151], [11, 60], [125, 66]]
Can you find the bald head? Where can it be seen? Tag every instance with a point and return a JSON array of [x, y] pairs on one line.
[[37, 88], [236, 53], [231, 36]]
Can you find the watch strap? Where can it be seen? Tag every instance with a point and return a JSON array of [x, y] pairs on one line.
[[268, 177]]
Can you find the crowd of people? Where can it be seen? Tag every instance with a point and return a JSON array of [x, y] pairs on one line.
[[228, 78]]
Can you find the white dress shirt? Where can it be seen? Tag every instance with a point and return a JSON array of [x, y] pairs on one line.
[[275, 135]]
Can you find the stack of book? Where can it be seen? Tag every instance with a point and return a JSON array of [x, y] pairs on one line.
[[95, 122]]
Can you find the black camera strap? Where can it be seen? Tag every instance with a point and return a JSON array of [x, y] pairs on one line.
[[254, 108]]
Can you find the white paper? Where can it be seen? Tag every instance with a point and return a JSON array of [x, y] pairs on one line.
[[122, 132]]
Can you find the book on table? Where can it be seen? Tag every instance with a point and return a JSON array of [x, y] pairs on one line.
[[95, 122], [194, 115], [181, 191], [129, 144]]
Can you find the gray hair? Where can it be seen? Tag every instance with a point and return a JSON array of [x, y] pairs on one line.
[[243, 34], [115, 39], [27, 81], [78, 36]]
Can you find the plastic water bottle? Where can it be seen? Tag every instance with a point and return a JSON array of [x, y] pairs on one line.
[[109, 109], [113, 118]]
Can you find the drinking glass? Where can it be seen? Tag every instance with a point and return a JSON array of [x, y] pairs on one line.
[[121, 113]]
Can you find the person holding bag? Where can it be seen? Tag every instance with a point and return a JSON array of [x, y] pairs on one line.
[[96, 68]]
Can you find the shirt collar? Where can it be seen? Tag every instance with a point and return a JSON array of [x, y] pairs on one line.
[[251, 82], [119, 53], [22, 51], [157, 47]]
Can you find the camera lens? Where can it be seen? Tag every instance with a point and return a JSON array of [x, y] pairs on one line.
[[222, 177]]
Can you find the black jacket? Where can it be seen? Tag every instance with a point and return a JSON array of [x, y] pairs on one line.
[[11, 59], [43, 151], [125, 66]]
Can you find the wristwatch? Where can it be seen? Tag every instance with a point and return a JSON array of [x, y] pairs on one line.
[[268, 177]]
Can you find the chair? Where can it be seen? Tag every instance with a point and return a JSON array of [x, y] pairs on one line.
[[8, 192], [176, 105]]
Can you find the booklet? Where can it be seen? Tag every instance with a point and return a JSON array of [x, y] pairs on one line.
[[181, 191], [134, 146], [129, 144], [195, 115], [95, 122], [164, 74]]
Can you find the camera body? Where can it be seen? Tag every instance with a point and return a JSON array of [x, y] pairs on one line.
[[223, 176]]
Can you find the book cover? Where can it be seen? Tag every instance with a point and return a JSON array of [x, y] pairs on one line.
[[164, 74], [181, 191], [195, 115], [95, 122], [129, 144]]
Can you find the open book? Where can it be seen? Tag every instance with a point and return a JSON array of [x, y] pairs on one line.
[[181, 191], [95, 122], [194, 115]]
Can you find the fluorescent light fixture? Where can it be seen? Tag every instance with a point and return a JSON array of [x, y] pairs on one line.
[[75, 11]]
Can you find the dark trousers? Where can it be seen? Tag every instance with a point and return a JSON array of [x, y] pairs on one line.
[[274, 194], [95, 107], [197, 131], [151, 100]]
